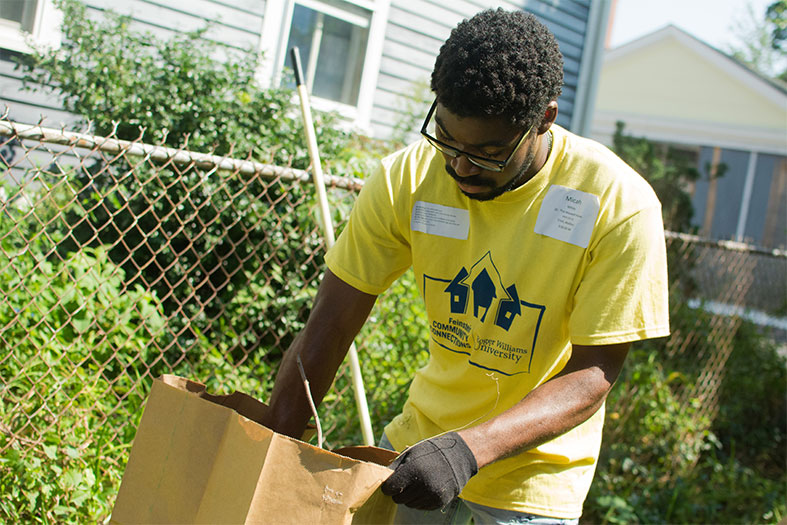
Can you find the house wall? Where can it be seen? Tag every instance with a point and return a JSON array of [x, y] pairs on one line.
[[28, 107], [679, 84], [725, 209], [417, 28], [671, 88], [413, 35], [235, 23]]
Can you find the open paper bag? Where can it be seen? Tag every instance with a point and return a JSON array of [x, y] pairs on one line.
[[200, 458]]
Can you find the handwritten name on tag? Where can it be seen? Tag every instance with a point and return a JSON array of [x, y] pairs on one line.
[[568, 215], [436, 219]]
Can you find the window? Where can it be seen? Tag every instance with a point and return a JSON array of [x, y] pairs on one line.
[[18, 14], [340, 44], [332, 50], [23, 21]]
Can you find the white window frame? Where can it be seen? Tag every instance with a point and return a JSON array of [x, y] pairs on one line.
[[273, 42], [46, 30]]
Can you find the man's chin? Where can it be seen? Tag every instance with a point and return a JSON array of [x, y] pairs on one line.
[[480, 193], [484, 195]]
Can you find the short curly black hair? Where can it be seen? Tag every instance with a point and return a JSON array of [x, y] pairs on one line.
[[501, 64]]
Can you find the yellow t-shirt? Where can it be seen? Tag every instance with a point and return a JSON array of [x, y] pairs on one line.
[[575, 255]]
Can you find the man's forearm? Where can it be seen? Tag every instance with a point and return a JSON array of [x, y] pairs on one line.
[[557, 406], [290, 411], [338, 314]]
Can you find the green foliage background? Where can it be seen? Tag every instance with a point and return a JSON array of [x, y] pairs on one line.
[[104, 317], [660, 462]]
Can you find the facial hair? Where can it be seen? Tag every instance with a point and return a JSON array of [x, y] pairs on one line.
[[495, 191]]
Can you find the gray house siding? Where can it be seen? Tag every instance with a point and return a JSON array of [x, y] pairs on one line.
[[28, 107], [235, 24], [699, 195], [763, 178], [729, 189], [415, 29], [723, 209]]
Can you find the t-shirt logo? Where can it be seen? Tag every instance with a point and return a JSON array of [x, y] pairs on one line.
[[483, 284], [475, 313]]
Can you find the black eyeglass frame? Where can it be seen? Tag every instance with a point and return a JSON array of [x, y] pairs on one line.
[[488, 164]]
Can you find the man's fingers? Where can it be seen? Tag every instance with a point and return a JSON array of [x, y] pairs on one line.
[[430, 474], [397, 461], [420, 502], [395, 483]]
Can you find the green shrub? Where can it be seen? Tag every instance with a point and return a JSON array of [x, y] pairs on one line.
[[755, 383], [196, 238], [72, 387], [659, 463], [649, 437], [85, 351]]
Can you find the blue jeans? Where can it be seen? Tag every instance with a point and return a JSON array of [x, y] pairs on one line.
[[460, 511]]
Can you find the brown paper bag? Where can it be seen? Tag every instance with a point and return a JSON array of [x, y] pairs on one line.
[[199, 458]]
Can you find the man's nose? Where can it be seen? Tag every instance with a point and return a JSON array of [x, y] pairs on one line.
[[463, 167]]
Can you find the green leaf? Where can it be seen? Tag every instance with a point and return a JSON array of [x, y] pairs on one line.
[[32, 499], [81, 325], [89, 477], [78, 497], [50, 451], [72, 478]]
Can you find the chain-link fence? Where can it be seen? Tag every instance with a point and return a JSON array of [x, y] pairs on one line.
[[123, 260], [729, 282]]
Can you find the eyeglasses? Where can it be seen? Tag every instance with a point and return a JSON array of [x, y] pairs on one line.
[[482, 162]]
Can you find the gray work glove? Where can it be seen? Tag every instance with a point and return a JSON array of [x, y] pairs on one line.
[[430, 474]]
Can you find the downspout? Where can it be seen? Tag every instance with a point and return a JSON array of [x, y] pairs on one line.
[[589, 70]]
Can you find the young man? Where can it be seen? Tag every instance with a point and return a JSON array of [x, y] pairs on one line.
[[540, 257]]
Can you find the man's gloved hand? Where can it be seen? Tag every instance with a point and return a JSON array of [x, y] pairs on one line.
[[430, 474]]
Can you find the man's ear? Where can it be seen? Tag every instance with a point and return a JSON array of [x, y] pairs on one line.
[[549, 117]]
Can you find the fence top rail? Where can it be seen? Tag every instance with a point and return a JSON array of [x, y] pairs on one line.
[[252, 168], [163, 154], [727, 245]]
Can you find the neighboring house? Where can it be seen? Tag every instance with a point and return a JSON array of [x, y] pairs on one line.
[[370, 53], [674, 89]]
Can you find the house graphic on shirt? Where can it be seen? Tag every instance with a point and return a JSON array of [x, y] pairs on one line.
[[480, 304], [482, 289]]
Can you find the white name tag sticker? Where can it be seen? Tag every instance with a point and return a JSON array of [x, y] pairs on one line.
[[436, 219], [568, 215]]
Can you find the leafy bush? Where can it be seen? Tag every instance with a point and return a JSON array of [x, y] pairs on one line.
[[84, 354], [660, 464], [72, 390], [123, 82], [196, 238], [666, 170], [647, 440], [756, 383]]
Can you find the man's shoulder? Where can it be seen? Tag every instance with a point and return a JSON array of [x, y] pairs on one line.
[[405, 176], [408, 169], [599, 170], [583, 150], [417, 155]]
